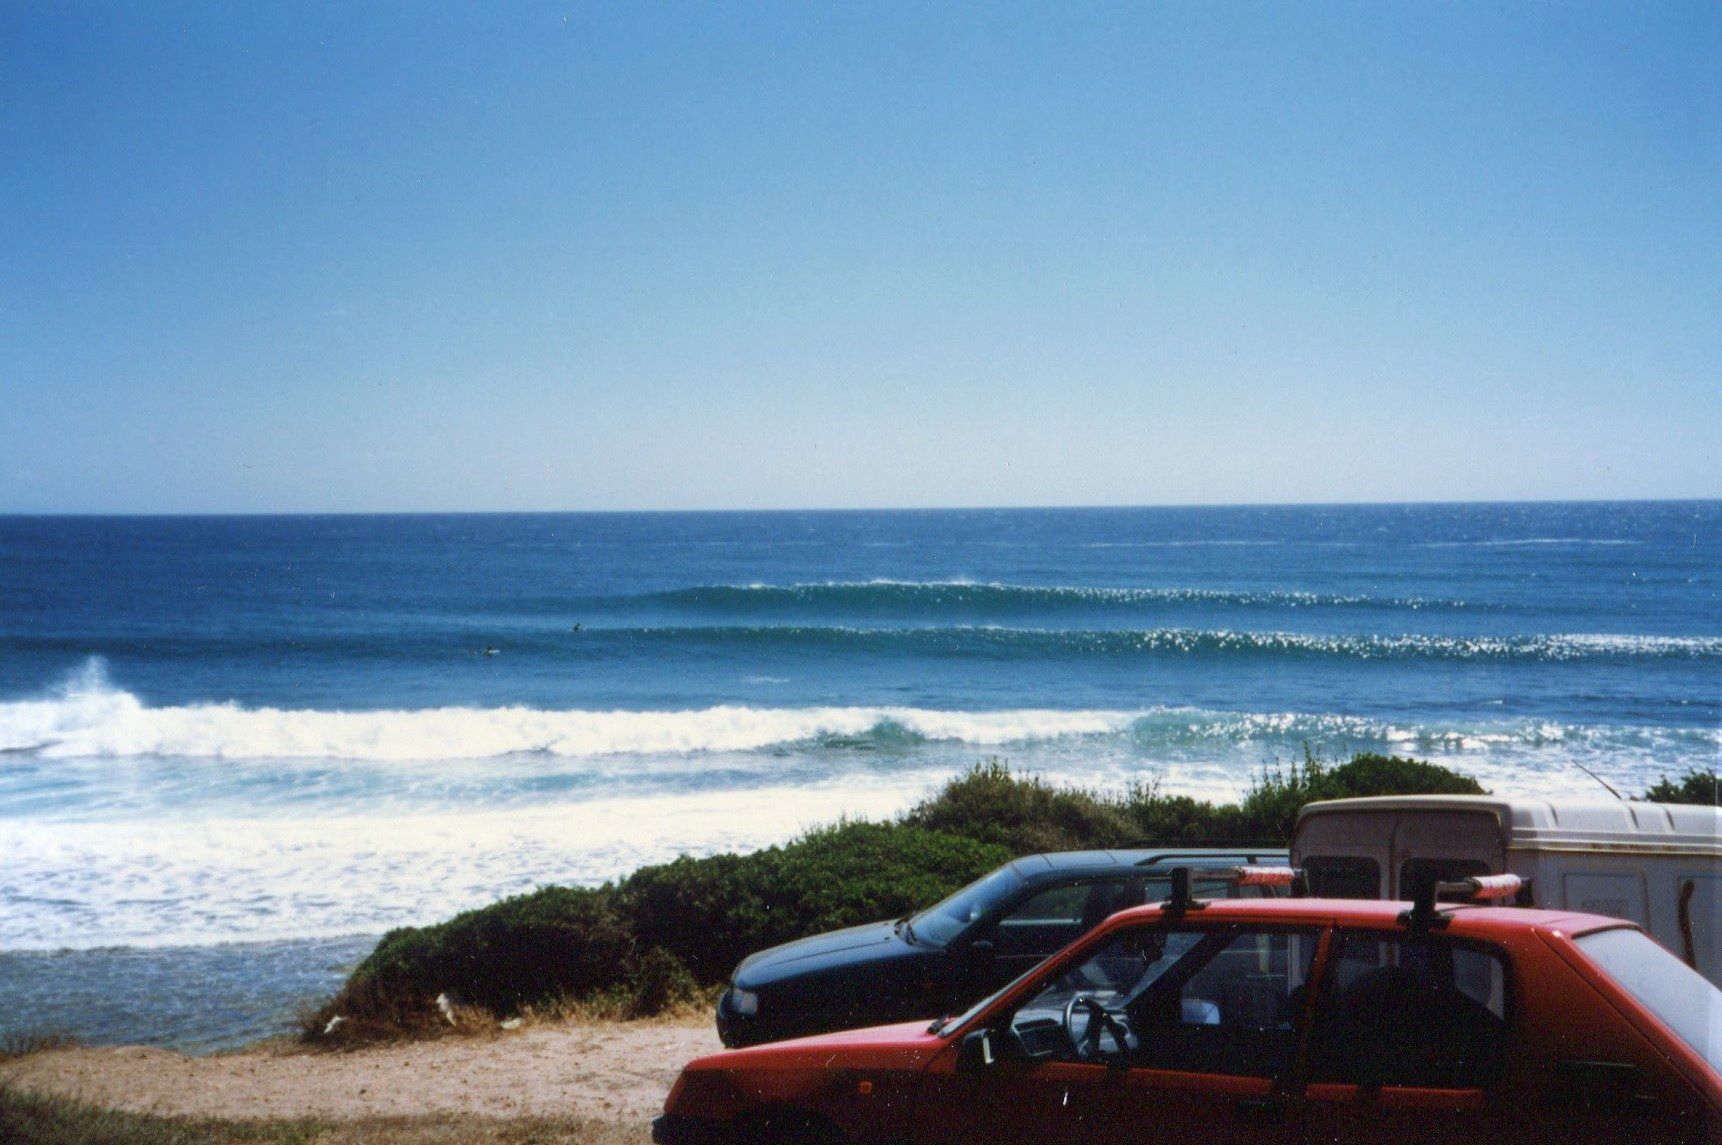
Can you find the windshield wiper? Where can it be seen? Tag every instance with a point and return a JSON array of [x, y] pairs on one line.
[[904, 928]]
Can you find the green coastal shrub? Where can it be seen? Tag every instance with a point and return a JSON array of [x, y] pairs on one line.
[[1700, 785], [554, 942], [1024, 813], [665, 932], [1269, 808], [711, 913], [654, 939]]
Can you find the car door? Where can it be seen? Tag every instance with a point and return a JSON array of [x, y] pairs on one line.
[[1410, 1041], [1204, 1027]]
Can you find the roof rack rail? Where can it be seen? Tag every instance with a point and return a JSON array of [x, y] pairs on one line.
[[1184, 880], [1425, 913]]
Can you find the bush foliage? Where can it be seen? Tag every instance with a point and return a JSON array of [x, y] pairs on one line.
[[1700, 785], [664, 932], [1025, 814]]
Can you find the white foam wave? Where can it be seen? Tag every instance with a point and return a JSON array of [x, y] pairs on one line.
[[95, 720], [224, 879], [90, 719]]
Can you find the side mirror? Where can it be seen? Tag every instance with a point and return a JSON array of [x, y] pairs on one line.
[[978, 1051]]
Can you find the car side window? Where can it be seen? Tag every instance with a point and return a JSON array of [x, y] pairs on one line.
[[1046, 921], [1228, 1001], [1234, 1005], [1411, 1010], [1159, 889], [1118, 970]]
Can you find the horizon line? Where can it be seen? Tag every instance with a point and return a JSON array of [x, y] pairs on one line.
[[1068, 508]]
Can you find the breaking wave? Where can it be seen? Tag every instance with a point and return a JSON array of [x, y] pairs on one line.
[[994, 640], [90, 718], [933, 598]]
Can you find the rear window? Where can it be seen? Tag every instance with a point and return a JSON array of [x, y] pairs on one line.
[[1342, 877], [1685, 1001], [1416, 876]]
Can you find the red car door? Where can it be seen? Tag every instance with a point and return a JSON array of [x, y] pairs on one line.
[[1429, 1040], [1410, 1041], [1164, 1035]]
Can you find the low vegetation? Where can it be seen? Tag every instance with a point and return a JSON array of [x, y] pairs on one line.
[[670, 933], [24, 1043], [1700, 785], [34, 1119], [1025, 814]]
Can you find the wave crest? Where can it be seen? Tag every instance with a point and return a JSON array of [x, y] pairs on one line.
[[96, 720], [977, 639], [89, 718], [991, 598]]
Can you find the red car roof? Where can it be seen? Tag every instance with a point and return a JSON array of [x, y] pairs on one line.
[[1477, 921]]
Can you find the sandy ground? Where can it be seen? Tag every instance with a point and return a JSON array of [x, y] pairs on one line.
[[612, 1072]]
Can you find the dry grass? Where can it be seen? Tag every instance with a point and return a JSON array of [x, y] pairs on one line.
[[15, 1046], [31, 1119], [616, 1008], [609, 1007]]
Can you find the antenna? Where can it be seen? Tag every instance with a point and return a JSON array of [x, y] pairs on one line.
[[1607, 786]]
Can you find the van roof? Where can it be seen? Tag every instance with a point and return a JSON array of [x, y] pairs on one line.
[[1564, 824]]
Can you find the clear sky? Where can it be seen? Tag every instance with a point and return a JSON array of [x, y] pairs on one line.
[[611, 256]]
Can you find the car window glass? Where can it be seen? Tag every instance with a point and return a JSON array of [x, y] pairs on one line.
[[1417, 875], [1056, 904], [1112, 974], [1411, 1010], [1212, 1001], [1685, 1001], [1160, 889], [1342, 877], [1234, 1005], [1045, 921], [942, 922]]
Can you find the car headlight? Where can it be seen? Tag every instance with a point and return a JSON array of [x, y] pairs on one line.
[[744, 1002]]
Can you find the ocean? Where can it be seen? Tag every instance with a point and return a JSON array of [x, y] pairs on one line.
[[235, 750]]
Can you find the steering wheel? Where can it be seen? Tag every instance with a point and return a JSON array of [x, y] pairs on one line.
[[1101, 1022]]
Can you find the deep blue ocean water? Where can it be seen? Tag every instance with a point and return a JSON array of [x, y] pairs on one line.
[[292, 733]]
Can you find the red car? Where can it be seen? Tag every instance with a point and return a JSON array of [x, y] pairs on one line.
[[1267, 1020]]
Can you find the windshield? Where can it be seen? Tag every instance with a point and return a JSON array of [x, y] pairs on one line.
[[937, 925], [1685, 1001]]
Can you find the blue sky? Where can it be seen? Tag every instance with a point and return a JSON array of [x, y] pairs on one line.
[[590, 256]]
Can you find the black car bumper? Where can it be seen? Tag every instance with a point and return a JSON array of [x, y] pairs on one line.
[[736, 1029], [675, 1129]]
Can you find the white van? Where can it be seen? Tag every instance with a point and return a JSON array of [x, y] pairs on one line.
[[1658, 864]]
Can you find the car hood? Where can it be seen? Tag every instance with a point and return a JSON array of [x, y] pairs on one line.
[[900, 1044], [874, 943]]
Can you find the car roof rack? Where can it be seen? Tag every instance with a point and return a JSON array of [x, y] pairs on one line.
[[1184, 880], [1426, 913]]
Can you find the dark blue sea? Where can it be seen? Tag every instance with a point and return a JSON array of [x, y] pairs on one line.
[[233, 750]]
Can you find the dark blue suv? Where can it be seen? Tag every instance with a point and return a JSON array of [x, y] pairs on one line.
[[951, 955]]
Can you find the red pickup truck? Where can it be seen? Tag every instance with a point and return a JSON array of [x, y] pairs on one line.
[[1249, 1021]]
